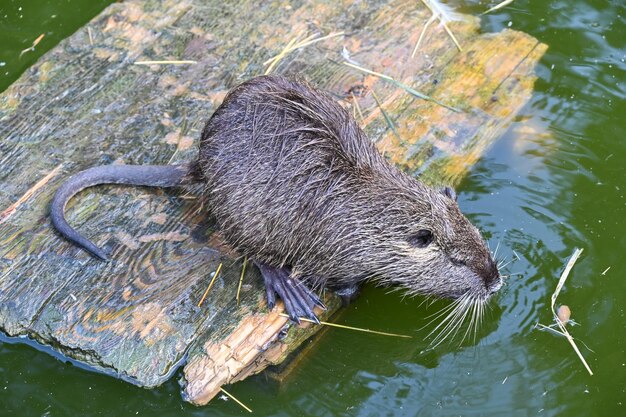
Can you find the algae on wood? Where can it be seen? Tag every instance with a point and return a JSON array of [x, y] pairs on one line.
[[86, 104]]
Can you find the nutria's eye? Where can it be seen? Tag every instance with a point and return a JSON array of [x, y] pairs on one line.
[[458, 262], [421, 239]]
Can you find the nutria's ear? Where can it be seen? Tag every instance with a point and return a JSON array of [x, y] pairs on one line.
[[448, 192]]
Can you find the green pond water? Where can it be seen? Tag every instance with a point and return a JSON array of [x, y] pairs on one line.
[[554, 182]]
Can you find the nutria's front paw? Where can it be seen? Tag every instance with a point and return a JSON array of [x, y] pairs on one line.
[[298, 299]]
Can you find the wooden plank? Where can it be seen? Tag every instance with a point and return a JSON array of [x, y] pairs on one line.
[[85, 104]]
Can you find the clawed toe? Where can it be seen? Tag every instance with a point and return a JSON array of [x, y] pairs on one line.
[[299, 301]]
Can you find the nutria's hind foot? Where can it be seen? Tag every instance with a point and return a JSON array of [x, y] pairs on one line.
[[298, 299], [348, 294]]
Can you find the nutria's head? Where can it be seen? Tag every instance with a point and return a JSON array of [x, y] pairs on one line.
[[415, 237], [426, 246], [443, 253]]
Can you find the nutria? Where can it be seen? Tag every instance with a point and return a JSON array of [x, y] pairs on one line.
[[295, 185]]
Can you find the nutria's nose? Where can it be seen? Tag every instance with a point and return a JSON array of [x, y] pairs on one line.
[[492, 278], [495, 284]]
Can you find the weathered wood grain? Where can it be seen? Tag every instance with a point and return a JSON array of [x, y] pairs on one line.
[[86, 104]]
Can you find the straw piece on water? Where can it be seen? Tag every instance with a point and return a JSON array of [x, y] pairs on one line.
[[405, 87], [386, 116], [32, 47], [498, 6], [294, 44], [563, 331], [232, 397], [359, 329], [564, 275], [217, 272], [164, 62], [548, 329], [243, 272]]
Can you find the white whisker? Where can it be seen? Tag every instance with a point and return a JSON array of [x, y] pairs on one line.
[[444, 309], [447, 321], [495, 253], [504, 266], [461, 320], [454, 320], [481, 306], [428, 300], [472, 316], [449, 309], [465, 308]]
